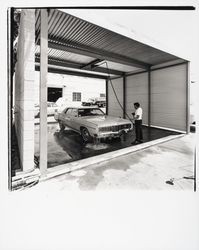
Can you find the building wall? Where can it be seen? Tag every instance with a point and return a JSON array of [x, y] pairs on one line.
[[24, 87], [168, 97], [89, 87], [114, 108]]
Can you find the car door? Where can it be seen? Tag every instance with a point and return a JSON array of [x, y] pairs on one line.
[[66, 117], [74, 119]]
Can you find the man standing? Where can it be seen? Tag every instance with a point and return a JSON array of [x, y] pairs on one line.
[[138, 123]]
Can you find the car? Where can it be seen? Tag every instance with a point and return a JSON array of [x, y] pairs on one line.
[[97, 101], [89, 102], [100, 102], [92, 123], [51, 109]]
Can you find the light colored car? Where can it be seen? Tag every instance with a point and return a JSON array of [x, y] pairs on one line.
[[98, 101], [89, 102], [51, 109], [91, 122]]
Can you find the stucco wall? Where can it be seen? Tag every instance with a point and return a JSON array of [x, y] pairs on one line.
[[24, 87]]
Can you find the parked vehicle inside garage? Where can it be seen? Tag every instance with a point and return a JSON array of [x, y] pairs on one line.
[[91, 122]]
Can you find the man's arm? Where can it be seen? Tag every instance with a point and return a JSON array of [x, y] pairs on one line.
[[135, 117]]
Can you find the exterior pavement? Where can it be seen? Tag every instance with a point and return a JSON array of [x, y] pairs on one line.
[[147, 169]]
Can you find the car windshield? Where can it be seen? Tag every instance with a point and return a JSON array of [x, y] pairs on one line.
[[90, 112]]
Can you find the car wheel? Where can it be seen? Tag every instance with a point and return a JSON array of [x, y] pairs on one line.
[[85, 135], [61, 125]]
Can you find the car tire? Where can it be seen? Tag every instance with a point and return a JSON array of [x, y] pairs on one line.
[[85, 135], [61, 126]]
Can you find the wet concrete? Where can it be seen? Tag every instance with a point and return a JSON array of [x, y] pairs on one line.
[[67, 146], [147, 169]]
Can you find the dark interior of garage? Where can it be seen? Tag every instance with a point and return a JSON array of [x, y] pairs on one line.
[[54, 94]]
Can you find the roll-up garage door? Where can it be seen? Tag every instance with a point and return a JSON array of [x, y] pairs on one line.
[[168, 97], [114, 108], [137, 91]]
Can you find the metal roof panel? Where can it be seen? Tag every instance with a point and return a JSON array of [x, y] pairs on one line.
[[77, 40]]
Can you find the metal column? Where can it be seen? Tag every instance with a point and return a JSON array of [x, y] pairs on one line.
[[149, 97], [107, 96], [124, 96], [43, 90], [187, 98]]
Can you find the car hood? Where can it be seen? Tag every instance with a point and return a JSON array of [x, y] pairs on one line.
[[105, 120]]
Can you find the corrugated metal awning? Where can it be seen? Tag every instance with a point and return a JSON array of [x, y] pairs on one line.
[[79, 44]]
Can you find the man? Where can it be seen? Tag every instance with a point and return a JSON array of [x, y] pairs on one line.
[[138, 123]]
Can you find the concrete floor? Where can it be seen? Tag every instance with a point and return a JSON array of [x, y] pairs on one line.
[[147, 169], [67, 146]]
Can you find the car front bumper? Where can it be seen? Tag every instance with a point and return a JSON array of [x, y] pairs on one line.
[[112, 134]]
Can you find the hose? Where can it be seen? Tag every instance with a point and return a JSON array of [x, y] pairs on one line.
[[116, 93]]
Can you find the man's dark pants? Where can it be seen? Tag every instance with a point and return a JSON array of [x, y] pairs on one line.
[[138, 130]]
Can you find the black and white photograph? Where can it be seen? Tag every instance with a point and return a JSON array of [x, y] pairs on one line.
[[95, 107], [100, 112]]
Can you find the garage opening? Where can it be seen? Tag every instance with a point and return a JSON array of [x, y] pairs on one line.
[[54, 94]]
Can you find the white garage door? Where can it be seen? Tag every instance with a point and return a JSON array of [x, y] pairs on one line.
[[168, 97]]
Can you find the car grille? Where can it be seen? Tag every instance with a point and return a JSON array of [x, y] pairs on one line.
[[114, 128]]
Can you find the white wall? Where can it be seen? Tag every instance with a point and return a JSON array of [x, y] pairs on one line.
[[168, 97], [24, 87]]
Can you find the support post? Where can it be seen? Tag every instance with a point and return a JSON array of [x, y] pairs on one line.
[[6, 181], [124, 96], [107, 96], [187, 98], [149, 97], [43, 90]]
